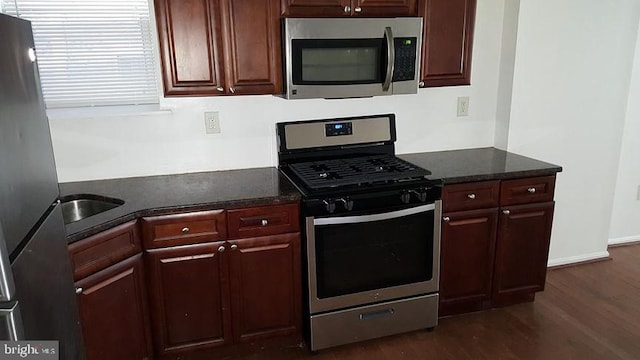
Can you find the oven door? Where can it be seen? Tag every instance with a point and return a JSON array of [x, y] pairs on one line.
[[356, 260]]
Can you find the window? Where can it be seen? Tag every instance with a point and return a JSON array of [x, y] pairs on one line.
[[91, 52]]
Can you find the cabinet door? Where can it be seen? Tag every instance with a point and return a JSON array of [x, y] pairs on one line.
[[190, 46], [385, 7], [447, 41], [466, 260], [113, 312], [253, 52], [522, 249], [316, 8], [265, 286], [189, 298]]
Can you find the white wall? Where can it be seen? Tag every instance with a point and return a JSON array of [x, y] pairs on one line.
[[507, 65], [625, 217], [89, 148], [571, 82]]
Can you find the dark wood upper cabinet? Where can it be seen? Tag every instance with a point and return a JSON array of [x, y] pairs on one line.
[[113, 312], [467, 253], [369, 8], [219, 47], [447, 41], [190, 46], [253, 55], [265, 286], [334, 8], [522, 250]]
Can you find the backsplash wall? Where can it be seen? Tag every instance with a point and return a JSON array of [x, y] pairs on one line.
[[103, 147]]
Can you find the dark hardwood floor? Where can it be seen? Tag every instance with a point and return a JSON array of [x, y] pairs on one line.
[[587, 311]]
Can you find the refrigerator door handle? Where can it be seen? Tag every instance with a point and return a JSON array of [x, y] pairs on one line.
[[7, 287], [11, 322]]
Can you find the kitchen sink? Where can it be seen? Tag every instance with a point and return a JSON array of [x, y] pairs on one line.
[[78, 207]]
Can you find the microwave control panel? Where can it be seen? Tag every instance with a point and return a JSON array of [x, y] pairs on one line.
[[405, 63]]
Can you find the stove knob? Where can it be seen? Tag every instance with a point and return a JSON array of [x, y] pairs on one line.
[[347, 203], [329, 205], [420, 194], [405, 197]]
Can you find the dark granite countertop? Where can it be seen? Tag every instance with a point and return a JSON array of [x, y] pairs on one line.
[[458, 166], [153, 195]]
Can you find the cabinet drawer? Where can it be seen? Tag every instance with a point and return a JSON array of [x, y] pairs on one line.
[[102, 250], [264, 220], [468, 196], [184, 229], [529, 190]]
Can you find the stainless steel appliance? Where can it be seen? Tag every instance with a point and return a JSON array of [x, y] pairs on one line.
[[371, 225], [342, 58], [37, 299]]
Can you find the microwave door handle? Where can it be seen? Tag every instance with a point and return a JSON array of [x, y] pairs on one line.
[[391, 58]]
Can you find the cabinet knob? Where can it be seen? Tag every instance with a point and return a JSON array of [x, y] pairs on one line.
[[185, 230], [446, 219], [232, 89], [220, 89], [506, 212], [234, 247], [471, 196], [421, 84], [264, 222], [347, 9], [79, 291], [221, 249], [358, 9], [531, 190]]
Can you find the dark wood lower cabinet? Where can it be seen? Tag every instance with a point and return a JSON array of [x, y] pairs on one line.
[[265, 286], [189, 298], [467, 254], [113, 312], [522, 251]]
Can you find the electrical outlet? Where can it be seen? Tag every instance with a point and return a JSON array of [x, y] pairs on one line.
[[463, 106], [212, 122]]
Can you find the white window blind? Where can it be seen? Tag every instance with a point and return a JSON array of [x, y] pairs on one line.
[[91, 52]]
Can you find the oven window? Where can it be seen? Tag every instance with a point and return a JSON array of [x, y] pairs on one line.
[[351, 258], [337, 61]]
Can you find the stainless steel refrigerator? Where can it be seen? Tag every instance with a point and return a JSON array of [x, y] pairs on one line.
[[37, 298]]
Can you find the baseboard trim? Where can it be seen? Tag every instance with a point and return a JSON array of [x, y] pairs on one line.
[[580, 259], [627, 240]]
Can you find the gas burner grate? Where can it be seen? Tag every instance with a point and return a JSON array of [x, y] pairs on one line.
[[356, 171]]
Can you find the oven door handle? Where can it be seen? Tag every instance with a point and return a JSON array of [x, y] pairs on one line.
[[372, 217]]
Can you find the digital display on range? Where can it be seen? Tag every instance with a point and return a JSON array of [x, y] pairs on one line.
[[338, 129]]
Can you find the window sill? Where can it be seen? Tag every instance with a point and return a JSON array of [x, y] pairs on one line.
[[106, 112]]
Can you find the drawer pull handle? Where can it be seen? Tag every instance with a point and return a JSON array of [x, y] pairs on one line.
[[79, 290], [185, 230], [234, 247], [221, 249], [446, 219], [506, 212], [531, 190], [264, 222], [471, 196]]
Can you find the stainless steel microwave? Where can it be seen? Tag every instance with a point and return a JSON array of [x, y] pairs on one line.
[[343, 58]]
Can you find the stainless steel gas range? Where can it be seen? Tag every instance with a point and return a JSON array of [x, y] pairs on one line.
[[372, 229]]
